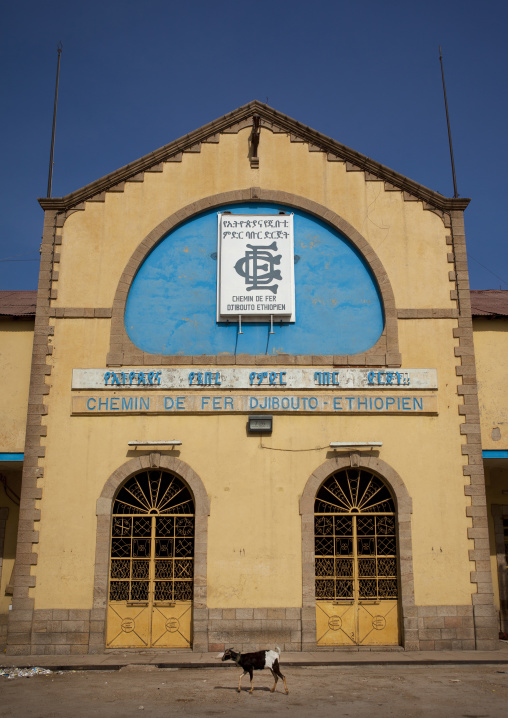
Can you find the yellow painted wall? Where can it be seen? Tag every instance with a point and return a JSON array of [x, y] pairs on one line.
[[254, 551], [410, 242], [491, 351], [16, 339], [254, 554]]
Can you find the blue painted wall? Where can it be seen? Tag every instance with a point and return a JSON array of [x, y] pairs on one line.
[[171, 307]]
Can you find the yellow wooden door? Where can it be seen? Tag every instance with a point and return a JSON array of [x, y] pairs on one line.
[[356, 562], [151, 565]]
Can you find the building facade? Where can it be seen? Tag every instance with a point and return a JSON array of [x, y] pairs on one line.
[[17, 312], [490, 324], [253, 415]]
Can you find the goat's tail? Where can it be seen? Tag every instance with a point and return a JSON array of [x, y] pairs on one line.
[[277, 650]]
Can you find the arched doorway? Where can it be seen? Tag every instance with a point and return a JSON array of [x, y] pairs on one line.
[[151, 575], [356, 561]]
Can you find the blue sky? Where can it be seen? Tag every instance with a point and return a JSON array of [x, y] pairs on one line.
[[137, 75]]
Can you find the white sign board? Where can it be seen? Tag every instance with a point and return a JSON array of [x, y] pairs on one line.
[[279, 377], [255, 273]]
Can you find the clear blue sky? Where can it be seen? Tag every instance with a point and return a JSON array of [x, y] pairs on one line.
[[137, 75]]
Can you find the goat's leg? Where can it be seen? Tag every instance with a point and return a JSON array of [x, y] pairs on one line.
[[240, 681], [276, 678], [251, 672], [278, 674]]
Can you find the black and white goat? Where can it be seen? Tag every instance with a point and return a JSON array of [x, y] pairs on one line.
[[251, 662]]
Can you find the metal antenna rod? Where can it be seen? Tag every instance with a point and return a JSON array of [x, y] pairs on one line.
[[455, 193], [50, 175]]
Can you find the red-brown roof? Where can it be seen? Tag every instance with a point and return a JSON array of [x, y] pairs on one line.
[[489, 302], [18, 303]]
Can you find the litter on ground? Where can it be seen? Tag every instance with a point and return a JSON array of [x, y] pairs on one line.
[[24, 672]]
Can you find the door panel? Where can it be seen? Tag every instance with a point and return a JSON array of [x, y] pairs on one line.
[[378, 623], [171, 625], [128, 626], [336, 624]]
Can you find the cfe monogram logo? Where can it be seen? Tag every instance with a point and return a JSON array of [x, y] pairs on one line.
[[258, 267], [255, 278]]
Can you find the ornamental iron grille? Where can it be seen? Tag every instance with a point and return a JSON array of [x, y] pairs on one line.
[[152, 557], [355, 554]]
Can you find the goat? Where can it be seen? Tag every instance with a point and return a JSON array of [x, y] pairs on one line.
[[251, 662]]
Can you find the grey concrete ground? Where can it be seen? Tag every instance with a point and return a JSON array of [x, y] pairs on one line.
[[358, 691], [189, 659]]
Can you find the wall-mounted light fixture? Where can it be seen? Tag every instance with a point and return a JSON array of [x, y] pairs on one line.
[[260, 424], [355, 444]]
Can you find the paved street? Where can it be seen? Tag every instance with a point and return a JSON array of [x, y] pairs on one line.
[[472, 691]]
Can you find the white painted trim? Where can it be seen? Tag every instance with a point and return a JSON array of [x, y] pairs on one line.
[[154, 443], [355, 444]]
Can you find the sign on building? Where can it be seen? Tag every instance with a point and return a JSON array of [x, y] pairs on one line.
[[255, 277], [221, 378]]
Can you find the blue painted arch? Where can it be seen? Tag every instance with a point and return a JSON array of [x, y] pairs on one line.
[[171, 306]]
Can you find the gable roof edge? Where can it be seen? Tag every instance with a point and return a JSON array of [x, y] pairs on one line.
[[285, 123]]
